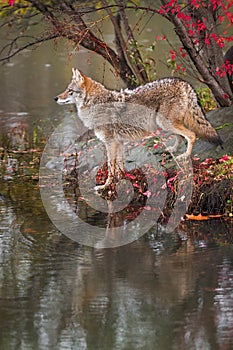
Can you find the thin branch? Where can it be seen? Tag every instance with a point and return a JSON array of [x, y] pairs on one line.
[[126, 7], [189, 69], [121, 43], [30, 44], [118, 40], [143, 78]]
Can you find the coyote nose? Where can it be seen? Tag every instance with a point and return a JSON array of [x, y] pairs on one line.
[[55, 98]]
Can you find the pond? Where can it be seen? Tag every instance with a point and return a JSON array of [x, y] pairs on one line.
[[165, 290]]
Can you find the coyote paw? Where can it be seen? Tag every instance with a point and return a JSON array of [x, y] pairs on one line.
[[98, 188], [107, 191], [182, 156], [107, 184]]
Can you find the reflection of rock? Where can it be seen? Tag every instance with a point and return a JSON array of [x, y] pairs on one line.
[[12, 164], [17, 137]]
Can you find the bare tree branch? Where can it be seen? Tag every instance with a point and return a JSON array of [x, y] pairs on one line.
[[122, 45], [130, 37], [12, 52]]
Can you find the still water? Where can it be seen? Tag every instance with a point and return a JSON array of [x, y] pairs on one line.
[[163, 291]]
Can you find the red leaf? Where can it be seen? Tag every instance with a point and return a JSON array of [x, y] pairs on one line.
[[136, 185], [172, 55], [224, 158], [130, 176], [147, 193], [207, 41], [221, 18], [147, 207]]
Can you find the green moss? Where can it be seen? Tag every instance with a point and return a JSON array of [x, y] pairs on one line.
[[206, 99]]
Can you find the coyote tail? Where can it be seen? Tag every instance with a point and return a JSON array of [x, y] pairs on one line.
[[197, 122]]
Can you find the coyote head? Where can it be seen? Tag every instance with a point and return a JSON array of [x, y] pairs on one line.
[[75, 92]]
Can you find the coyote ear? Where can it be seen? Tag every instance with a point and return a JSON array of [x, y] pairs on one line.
[[77, 75]]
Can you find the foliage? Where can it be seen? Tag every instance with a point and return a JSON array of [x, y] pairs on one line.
[[202, 27], [216, 169], [225, 168], [213, 187]]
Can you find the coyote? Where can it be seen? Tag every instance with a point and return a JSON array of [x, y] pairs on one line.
[[118, 116]]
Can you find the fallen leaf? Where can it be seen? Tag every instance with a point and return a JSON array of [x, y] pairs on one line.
[[198, 217]]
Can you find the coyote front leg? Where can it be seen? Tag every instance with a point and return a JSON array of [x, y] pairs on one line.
[[120, 161], [115, 156]]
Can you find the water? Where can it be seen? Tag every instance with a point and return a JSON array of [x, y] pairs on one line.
[[164, 291]]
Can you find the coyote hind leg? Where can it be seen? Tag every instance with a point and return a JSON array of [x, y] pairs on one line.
[[190, 137], [178, 128], [176, 144]]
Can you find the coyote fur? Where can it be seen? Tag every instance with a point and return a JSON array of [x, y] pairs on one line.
[[169, 103]]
